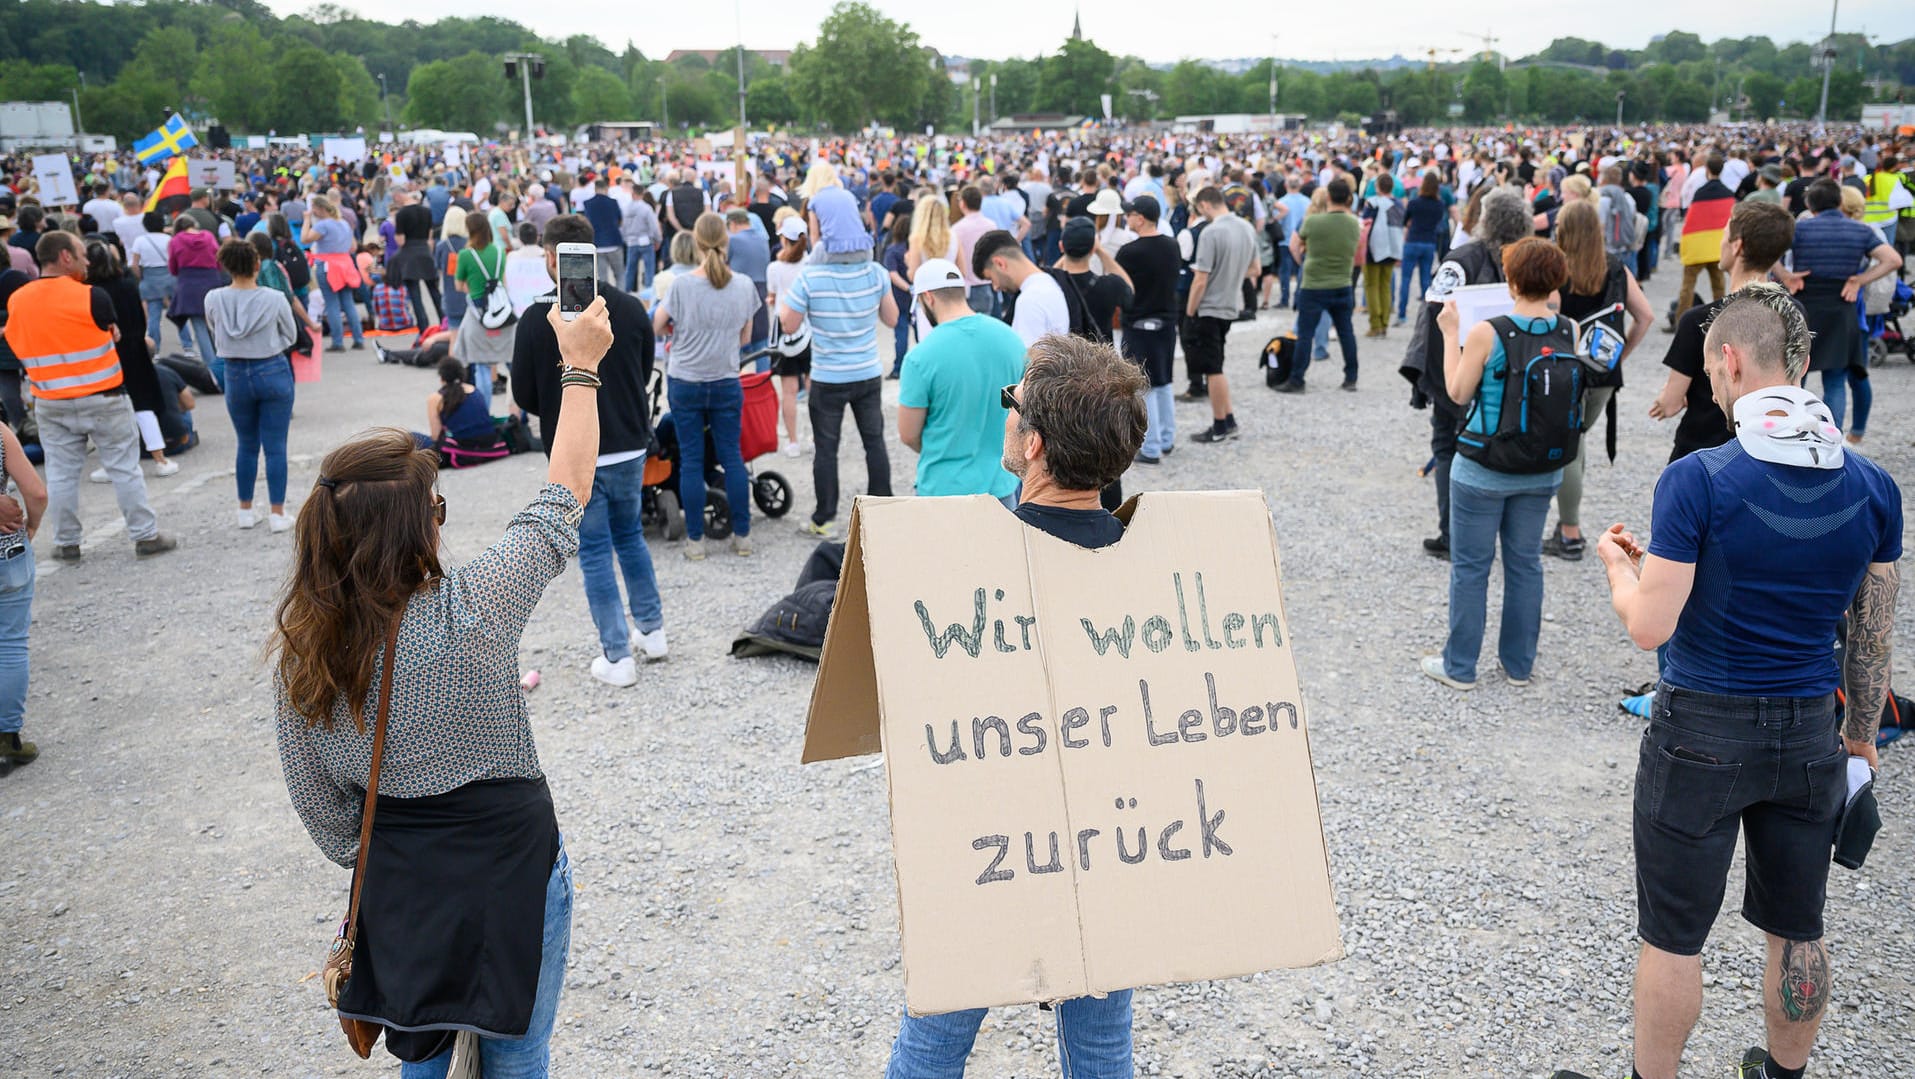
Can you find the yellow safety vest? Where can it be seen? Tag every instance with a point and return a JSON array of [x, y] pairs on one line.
[[1880, 185]]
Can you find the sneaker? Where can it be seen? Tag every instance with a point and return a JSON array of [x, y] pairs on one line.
[[1217, 433], [279, 522], [1168, 449], [14, 751], [1755, 1064], [1349, 385], [99, 475], [167, 468], [793, 450], [652, 644], [809, 527], [1637, 705], [1188, 397], [1515, 682], [1437, 546], [621, 674], [246, 518], [380, 351], [1291, 386], [1559, 546], [694, 550], [67, 552], [741, 545], [1433, 666], [359, 346], [157, 545], [1143, 458]]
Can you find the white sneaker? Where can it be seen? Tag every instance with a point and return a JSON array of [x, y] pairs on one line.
[[741, 546], [621, 674], [1433, 666], [280, 522], [167, 467], [792, 449], [99, 475], [652, 644], [247, 518], [694, 550]]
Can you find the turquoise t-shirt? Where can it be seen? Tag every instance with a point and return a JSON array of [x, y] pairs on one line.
[[1489, 412], [955, 375]]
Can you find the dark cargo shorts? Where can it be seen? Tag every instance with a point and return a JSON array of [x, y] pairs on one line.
[[1773, 768]]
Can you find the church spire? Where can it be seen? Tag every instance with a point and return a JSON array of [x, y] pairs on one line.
[[1077, 23]]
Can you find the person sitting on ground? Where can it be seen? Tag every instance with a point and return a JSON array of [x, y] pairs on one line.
[[1071, 427], [457, 419]]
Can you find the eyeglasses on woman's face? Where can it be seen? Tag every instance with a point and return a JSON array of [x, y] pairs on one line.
[[439, 508]]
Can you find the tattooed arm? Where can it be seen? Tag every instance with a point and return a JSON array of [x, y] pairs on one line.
[[1865, 661]]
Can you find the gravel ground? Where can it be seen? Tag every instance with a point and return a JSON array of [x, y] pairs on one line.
[[736, 913]]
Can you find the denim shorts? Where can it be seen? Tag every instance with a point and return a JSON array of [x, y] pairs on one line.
[[1773, 768]]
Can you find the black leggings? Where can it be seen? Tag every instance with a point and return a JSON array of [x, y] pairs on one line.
[[418, 305]]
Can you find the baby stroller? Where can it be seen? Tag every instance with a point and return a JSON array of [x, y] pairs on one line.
[[1885, 325], [758, 436]]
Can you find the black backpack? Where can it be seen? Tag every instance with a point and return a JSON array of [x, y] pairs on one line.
[[1541, 423], [1082, 325]]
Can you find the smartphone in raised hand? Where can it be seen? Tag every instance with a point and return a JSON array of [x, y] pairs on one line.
[[578, 279]]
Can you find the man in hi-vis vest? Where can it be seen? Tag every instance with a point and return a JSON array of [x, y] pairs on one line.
[[62, 330]]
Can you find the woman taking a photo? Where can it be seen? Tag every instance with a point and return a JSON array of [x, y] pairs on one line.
[[1485, 503], [465, 892], [1597, 282], [252, 329], [708, 316], [329, 243]]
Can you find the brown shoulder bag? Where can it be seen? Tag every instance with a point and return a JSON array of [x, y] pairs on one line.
[[362, 1034]]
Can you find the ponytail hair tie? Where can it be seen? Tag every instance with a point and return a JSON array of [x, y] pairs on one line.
[[328, 484]]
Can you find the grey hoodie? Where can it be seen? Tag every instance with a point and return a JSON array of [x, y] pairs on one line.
[[249, 323]]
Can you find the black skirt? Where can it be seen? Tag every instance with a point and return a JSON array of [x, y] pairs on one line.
[[1835, 333], [413, 262], [452, 915]]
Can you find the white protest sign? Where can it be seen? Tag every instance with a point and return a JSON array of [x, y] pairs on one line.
[[1098, 761], [55, 174], [207, 172], [453, 153], [350, 151]]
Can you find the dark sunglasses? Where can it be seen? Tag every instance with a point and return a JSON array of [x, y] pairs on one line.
[[1008, 397], [439, 508]]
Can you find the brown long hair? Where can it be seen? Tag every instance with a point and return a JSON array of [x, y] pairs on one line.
[[365, 542], [1579, 234]]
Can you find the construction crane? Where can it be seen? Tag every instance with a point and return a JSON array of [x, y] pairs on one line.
[[1434, 52], [1489, 47]]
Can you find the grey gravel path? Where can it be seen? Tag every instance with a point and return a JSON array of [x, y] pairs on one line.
[[736, 916]]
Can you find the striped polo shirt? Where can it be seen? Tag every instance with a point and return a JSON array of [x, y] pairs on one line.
[[840, 300]]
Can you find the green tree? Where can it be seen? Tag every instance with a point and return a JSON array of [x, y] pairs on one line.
[[1075, 78], [306, 90], [1762, 94], [768, 102], [1193, 88], [466, 94], [234, 78], [600, 95], [1483, 92], [24, 80], [359, 103], [1677, 46], [863, 66]]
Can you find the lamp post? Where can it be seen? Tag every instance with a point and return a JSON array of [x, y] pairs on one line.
[[1827, 55], [1619, 96], [1273, 81], [739, 13], [994, 97], [387, 98], [975, 86], [525, 62]]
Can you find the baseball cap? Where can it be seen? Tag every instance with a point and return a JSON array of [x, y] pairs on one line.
[[1145, 206], [794, 228], [1080, 235], [936, 274]]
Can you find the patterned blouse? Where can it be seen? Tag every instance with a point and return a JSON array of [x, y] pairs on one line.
[[458, 715]]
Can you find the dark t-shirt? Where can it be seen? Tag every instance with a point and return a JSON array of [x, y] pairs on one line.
[[414, 223], [1153, 263], [1702, 424], [1423, 220], [1103, 295], [1085, 528], [1793, 195]]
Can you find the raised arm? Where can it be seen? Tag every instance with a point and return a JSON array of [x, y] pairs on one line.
[[582, 344]]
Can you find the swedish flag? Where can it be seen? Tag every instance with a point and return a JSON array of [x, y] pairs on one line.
[[173, 137]]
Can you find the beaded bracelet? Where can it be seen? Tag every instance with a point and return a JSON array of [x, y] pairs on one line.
[[578, 376]]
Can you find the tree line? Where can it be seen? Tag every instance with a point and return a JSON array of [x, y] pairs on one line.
[[330, 70]]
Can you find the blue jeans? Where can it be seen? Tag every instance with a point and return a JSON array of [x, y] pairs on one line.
[[1313, 306], [611, 526], [16, 614], [1093, 1041], [901, 338], [203, 343], [259, 398], [1160, 407], [1837, 385], [720, 406], [1287, 271], [481, 374], [1418, 258], [338, 305], [529, 1057], [635, 254], [1477, 518]]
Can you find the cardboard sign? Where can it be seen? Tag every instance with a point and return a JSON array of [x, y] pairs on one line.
[[1098, 760], [206, 172], [351, 151], [55, 174]]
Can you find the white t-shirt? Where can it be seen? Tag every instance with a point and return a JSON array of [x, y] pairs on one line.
[[103, 211], [525, 278], [130, 228], [150, 248], [1040, 309]]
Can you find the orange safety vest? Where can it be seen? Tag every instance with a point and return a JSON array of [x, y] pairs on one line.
[[65, 353]]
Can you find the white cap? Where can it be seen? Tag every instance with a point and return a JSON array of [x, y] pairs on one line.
[[793, 228], [936, 274]]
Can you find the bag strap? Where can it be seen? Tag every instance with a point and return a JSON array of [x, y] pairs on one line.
[[372, 779]]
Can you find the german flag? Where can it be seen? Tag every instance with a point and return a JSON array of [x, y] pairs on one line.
[[1703, 222], [172, 194]]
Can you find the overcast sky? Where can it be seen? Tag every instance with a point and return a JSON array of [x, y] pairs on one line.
[[1218, 29]]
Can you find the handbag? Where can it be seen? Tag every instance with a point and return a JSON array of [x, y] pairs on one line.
[[362, 1034]]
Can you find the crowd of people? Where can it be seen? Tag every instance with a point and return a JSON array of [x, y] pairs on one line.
[[1037, 290]]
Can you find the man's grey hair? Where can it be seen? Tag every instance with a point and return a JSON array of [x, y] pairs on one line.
[[1505, 218], [987, 185], [1766, 325]]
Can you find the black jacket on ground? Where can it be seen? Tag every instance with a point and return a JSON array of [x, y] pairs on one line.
[[624, 410]]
